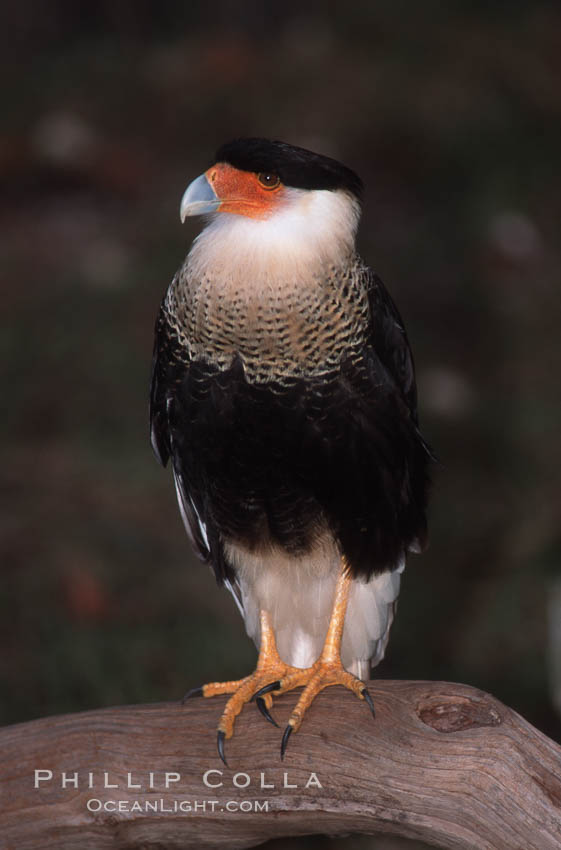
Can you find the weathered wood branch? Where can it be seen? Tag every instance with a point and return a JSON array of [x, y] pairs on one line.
[[443, 763]]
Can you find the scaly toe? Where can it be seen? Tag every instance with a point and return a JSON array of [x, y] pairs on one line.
[[266, 689], [256, 686], [321, 675]]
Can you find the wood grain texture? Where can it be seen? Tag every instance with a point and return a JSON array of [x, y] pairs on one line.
[[442, 762]]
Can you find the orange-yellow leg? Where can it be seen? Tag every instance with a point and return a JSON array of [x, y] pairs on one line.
[[270, 667], [327, 670]]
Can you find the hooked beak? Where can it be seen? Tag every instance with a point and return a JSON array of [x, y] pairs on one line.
[[199, 198]]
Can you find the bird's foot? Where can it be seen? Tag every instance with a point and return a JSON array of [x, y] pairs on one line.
[[322, 674], [243, 691], [273, 676], [327, 670]]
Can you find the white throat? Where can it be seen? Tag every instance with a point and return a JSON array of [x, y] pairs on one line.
[[313, 230]]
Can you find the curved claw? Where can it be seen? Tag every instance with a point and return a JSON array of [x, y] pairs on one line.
[[273, 686], [285, 737], [220, 745], [265, 711], [194, 692], [368, 700]]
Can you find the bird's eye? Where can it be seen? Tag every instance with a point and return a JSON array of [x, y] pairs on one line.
[[268, 181]]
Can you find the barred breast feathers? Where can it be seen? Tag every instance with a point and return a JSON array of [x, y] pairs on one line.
[[288, 294]]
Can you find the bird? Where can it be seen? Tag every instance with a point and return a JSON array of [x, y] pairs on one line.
[[283, 394]]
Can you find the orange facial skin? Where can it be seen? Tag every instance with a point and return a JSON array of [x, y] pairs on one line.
[[240, 192]]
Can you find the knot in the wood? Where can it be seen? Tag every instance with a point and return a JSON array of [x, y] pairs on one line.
[[449, 713]]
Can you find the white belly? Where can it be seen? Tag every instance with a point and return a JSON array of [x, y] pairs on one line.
[[298, 594]]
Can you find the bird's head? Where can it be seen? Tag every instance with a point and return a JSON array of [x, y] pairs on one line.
[[272, 201]]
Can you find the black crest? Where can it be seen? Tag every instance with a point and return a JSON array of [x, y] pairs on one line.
[[296, 167]]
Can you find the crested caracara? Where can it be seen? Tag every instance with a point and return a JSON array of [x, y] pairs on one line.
[[283, 393]]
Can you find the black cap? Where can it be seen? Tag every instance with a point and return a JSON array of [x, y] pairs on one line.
[[295, 166]]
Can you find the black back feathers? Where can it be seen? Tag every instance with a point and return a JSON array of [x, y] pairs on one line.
[[296, 167]]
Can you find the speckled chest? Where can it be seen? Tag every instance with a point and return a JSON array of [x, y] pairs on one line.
[[293, 326]]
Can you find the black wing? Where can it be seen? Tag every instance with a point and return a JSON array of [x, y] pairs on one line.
[[170, 364], [389, 340], [170, 373]]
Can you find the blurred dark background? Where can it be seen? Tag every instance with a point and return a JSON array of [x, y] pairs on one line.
[[451, 112]]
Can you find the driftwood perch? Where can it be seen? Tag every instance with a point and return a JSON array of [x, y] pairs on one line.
[[444, 763]]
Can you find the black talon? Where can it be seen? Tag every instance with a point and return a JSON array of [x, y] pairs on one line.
[[220, 745], [265, 711], [285, 737], [194, 692], [274, 686], [368, 700]]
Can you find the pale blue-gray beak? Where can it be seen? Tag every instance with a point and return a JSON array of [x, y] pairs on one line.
[[199, 199]]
